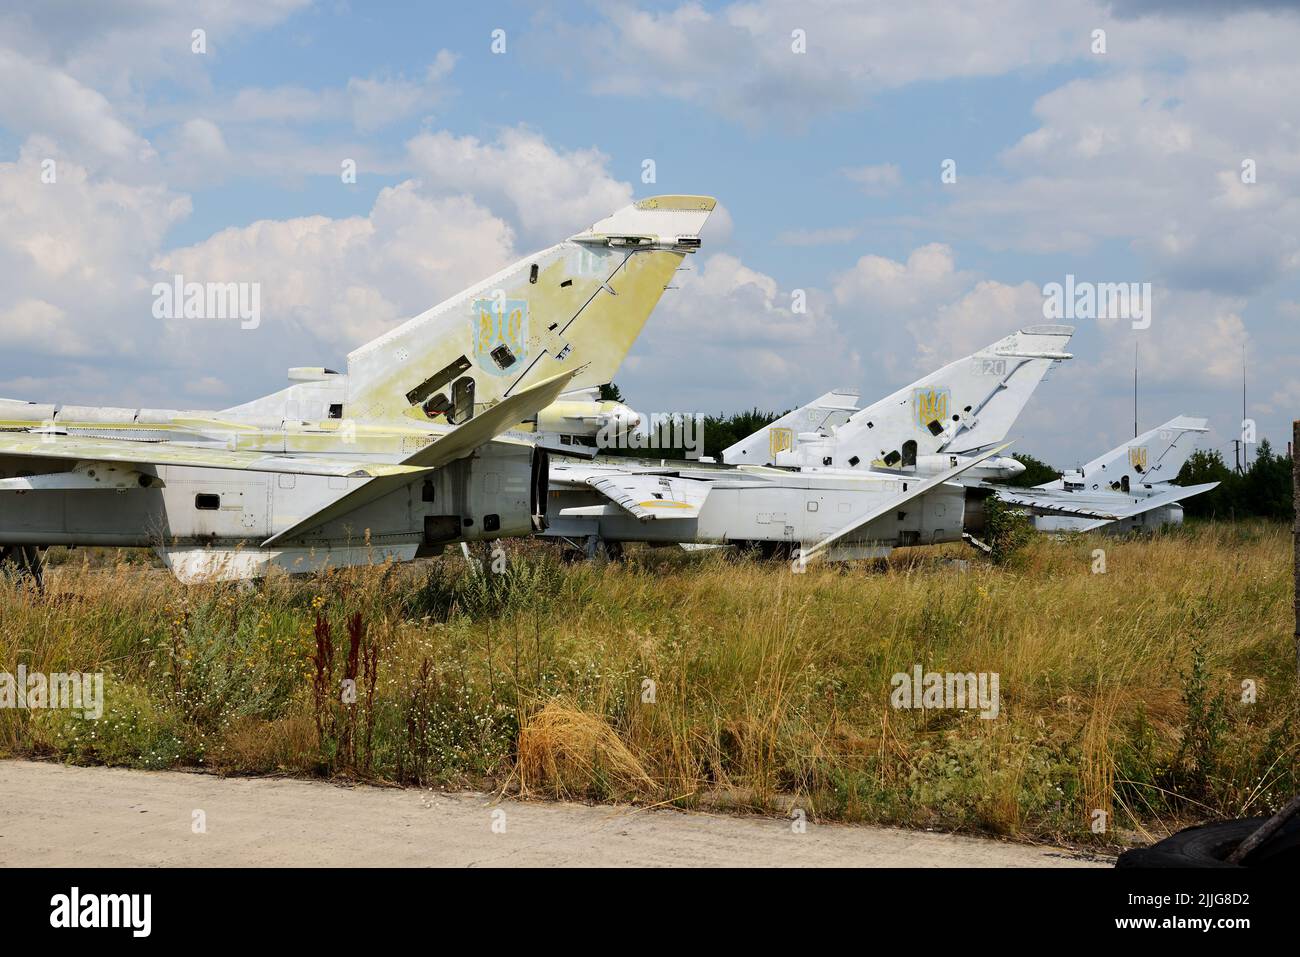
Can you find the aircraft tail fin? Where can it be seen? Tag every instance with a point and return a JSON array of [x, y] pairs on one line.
[[968, 405], [1156, 456], [581, 302], [820, 415], [578, 304]]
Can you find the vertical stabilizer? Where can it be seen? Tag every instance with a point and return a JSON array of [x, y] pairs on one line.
[[821, 415], [966, 406], [1151, 458], [578, 305]]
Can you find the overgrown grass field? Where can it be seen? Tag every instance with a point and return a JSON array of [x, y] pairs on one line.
[[710, 681]]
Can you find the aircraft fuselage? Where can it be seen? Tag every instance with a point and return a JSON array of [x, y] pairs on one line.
[[792, 509]]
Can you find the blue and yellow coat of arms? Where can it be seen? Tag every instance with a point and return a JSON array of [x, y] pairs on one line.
[[928, 405], [499, 328], [779, 440]]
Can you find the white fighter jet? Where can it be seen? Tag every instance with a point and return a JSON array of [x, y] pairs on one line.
[[403, 453], [1130, 488], [828, 479]]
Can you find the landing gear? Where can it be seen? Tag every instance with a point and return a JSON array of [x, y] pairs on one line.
[[595, 548], [23, 564], [589, 548]]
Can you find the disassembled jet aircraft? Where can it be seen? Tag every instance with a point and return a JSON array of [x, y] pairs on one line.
[[852, 483], [400, 455], [1130, 488]]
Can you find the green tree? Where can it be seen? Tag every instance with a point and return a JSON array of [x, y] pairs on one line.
[[1037, 472], [721, 431], [1267, 485], [1007, 529], [1208, 466], [1263, 491]]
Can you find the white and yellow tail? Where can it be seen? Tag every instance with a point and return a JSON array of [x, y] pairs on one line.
[[967, 406], [1150, 459], [578, 305]]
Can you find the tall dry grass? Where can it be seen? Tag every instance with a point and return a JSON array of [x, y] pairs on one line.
[[704, 680]]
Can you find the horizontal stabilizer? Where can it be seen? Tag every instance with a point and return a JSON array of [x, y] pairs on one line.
[[1096, 506], [1060, 504], [653, 496], [1173, 495], [490, 423]]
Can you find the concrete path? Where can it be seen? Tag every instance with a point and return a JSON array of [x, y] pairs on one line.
[[55, 815]]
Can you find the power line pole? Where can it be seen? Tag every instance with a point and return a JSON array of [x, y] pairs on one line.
[[1245, 462], [1295, 554], [1135, 390]]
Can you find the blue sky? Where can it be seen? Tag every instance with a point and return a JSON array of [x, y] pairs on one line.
[[1122, 166]]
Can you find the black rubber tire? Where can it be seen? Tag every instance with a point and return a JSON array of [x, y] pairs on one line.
[[1208, 845]]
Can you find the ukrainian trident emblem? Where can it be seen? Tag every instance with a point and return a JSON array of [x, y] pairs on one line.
[[929, 405], [779, 440], [499, 328]]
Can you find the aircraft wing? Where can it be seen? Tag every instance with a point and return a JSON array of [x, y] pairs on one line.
[[50, 445], [1175, 493], [649, 496], [894, 501], [1125, 506], [1060, 503], [459, 442]]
